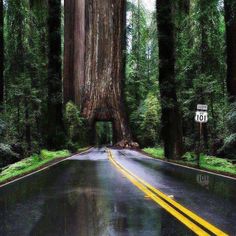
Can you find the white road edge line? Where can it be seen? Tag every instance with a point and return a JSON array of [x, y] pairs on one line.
[[45, 168], [187, 167]]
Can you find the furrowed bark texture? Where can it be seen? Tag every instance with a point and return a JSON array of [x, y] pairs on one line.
[[230, 19], [94, 48], [74, 51], [171, 122]]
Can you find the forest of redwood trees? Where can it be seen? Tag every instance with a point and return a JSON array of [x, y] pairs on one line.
[[66, 66]]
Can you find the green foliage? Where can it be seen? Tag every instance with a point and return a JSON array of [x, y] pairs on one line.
[[229, 148], [45, 154], [104, 133], [201, 68], [200, 74], [206, 162], [7, 156], [31, 164], [141, 75], [155, 152], [189, 157], [217, 164], [149, 115], [76, 127], [231, 118], [2, 127], [25, 39]]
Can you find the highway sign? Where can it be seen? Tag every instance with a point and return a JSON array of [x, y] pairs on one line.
[[202, 107], [201, 117]]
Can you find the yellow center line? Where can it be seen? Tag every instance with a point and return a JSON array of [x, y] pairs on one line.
[[158, 197]]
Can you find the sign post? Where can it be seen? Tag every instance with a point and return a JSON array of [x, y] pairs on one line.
[[201, 117]]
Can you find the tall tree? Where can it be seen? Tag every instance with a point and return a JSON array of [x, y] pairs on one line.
[[1, 56], [229, 150], [55, 130], [73, 52], [230, 19], [98, 85], [141, 69], [171, 122]]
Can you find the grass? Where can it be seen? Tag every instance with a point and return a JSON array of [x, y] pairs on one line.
[[30, 164], [155, 152], [217, 164], [206, 162]]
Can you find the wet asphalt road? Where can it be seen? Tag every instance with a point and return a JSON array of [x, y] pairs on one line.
[[211, 196], [86, 195]]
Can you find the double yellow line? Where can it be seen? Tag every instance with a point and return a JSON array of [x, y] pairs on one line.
[[191, 220]]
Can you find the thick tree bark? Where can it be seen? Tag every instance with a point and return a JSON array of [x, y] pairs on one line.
[[55, 129], [171, 122], [68, 82], [230, 19], [1, 57], [74, 50], [97, 41]]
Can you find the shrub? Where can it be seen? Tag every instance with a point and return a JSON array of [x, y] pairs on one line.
[[45, 154], [229, 148], [2, 127], [148, 118], [155, 152], [189, 157], [76, 126], [231, 118], [7, 156]]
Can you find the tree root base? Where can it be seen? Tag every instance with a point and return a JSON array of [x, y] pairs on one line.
[[127, 144]]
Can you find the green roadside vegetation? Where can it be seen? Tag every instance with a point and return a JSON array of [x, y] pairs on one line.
[[155, 152], [28, 165], [33, 163], [210, 163]]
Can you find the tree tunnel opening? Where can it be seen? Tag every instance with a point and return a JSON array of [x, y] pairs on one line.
[[104, 133]]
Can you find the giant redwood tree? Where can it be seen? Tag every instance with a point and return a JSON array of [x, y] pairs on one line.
[[230, 19], [229, 149], [94, 61], [171, 122], [54, 111]]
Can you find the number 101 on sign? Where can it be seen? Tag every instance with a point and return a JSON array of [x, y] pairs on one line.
[[201, 117]]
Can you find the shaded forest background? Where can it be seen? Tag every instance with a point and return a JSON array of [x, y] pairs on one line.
[[161, 90]]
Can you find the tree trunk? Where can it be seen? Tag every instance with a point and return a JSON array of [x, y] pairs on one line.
[[74, 49], [55, 129], [94, 48], [1, 57], [27, 124], [171, 122], [230, 19]]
